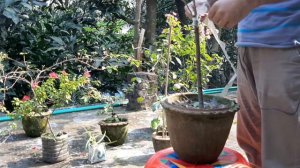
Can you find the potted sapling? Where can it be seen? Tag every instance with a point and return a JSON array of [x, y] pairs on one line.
[[160, 137], [198, 124]]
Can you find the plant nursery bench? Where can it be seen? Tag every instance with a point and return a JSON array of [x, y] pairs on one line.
[[167, 158]]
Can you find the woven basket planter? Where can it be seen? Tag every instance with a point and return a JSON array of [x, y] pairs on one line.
[[55, 149]]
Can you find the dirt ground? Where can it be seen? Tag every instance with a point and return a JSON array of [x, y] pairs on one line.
[[20, 151]]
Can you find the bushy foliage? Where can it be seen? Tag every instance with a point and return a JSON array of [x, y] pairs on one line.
[[56, 90], [183, 70], [44, 34]]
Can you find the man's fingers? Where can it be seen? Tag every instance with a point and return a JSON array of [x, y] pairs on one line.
[[221, 23], [231, 25], [212, 13]]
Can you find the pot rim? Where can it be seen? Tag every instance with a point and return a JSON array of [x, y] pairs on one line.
[[43, 114], [157, 134], [122, 123], [63, 136], [233, 107]]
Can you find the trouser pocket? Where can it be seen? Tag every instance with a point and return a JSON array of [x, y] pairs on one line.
[[277, 77]]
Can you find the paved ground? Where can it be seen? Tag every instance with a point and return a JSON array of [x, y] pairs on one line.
[[20, 151]]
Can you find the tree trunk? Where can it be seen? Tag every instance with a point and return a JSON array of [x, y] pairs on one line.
[[137, 26], [181, 14], [151, 15]]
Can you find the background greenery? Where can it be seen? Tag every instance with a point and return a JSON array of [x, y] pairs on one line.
[[45, 32]]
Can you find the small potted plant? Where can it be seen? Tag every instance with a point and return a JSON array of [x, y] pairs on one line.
[[96, 147], [116, 127], [160, 136]]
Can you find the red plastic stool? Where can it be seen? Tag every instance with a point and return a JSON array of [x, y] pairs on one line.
[[167, 158]]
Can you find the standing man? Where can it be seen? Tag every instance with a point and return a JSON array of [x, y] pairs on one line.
[[268, 77]]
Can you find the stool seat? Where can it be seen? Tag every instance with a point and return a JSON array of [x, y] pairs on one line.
[[167, 158]]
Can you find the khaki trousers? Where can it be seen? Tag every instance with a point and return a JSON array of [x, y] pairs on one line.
[[269, 96]]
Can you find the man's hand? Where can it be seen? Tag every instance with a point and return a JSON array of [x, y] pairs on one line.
[[227, 13]]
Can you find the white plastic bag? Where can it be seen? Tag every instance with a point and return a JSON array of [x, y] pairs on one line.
[[97, 153]]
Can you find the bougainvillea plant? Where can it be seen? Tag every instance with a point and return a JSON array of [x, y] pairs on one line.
[[47, 89], [56, 91]]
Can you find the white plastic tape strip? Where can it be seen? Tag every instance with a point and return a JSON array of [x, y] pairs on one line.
[[214, 31]]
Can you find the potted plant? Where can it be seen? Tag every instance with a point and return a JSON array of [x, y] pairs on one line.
[[55, 147], [96, 147], [59, 89], [34, 110], [115, 127], [198, 125], [160, 136]]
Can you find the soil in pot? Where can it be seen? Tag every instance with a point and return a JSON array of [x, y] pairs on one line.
[[146, 88], [160, 142], [35, 126], [115, 131], [198, 135], [55, 149]]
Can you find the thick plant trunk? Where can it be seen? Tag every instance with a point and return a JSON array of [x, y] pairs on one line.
[[151, 16]]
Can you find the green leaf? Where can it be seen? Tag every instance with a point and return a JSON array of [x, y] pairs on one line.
[[138, 80], [133, 79], [11, 14], [57, 40], [9, 2], [26, 5], [155, 123], [48, 27], [178, 60], [140, 100], [54, 48]]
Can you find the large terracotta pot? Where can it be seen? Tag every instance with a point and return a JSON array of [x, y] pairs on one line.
[[198, 136], [35, 126]]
